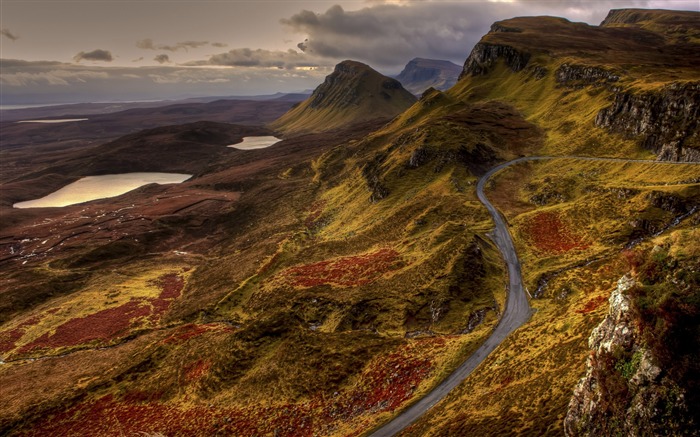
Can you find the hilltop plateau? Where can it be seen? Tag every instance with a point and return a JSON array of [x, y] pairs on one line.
[[323, 284]]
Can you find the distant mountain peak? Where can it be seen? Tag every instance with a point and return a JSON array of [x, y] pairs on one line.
[[353, 93], [419, 74]]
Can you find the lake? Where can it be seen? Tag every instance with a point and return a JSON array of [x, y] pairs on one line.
[[57, 120], [252, 143], [101, 187]]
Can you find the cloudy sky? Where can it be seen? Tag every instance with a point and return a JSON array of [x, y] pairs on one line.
[[78, 50]]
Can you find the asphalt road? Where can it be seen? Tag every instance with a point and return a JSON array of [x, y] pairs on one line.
[[517, 310], [516, 313]]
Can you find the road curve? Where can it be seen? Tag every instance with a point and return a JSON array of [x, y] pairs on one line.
[[517, 310]]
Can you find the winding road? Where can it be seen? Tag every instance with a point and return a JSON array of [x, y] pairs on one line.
[[517, 310]]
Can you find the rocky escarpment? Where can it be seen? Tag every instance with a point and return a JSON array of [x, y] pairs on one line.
[[624, 391], [666, 121], [581, 75], [484, 56]]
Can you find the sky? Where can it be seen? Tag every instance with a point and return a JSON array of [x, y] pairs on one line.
[[109, 50]]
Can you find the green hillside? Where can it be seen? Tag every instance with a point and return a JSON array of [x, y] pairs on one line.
[[322, 285]]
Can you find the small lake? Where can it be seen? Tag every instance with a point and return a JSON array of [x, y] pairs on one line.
[[252, 143], [101, 187], [57, 120]]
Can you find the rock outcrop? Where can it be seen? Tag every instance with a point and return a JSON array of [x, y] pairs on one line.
[[623, 391], [667, 121], [581, 75], [484, 56]]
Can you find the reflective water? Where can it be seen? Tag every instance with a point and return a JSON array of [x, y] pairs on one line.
[[251, 143], [56, 120], [101, 187]]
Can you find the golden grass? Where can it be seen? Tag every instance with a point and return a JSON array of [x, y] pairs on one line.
[[526, 384]]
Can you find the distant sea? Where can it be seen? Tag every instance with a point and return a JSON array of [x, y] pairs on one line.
[[35, 105], [40, 105]]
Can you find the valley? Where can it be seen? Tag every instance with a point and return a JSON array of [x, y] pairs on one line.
[[365, 262]]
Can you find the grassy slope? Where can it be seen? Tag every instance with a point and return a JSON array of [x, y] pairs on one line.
[[525, 386], [564, 214], [271, 353], [263, 338]]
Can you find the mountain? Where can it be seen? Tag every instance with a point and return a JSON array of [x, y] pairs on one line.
[[645, 81], [353, 93], [420, 74], [323, 285], [602, 244]]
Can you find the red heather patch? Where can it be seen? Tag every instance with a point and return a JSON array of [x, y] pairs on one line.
[[103, 325], [394, 378], [550, 234], [112, 323], [197, 370], [108, 417], [592, 305], [171, 286], [186, 332], [8, 338], [348, 271], [387, 383]]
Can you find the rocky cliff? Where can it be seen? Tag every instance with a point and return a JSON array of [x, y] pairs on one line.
[[484, 56], [580, 75], [624, 390], [644, 63], [665, 120]]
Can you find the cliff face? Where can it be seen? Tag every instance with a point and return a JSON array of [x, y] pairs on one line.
[[666, 121], [485, 55], [623, 391], [643, 61], [581, 75]]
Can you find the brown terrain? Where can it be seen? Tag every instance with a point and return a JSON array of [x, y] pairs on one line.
[[322, 285]]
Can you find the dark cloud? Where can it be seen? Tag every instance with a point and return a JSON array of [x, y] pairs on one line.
[[95, 55], [219, 44], [148, 44], [162, 58], [389, 34], [139, 59], [9, 35], [246, 57]]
